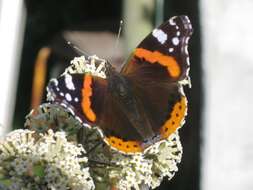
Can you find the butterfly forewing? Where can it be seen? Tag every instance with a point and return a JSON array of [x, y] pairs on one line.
[[163, 51], [82, 94]]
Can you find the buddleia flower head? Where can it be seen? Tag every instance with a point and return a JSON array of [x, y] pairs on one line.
[[44, 161]]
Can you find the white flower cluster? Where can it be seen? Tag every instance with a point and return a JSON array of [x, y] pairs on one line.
[[167, 154], [45, 161], [159, 161], [131, 171], [92, 64]]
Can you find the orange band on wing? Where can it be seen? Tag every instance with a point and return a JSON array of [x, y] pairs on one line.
[[124, 146], [86, 95], [157, 57], [176, 118]]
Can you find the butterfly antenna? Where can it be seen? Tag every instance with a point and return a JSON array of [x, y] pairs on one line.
[[118, 36], [78, 49]]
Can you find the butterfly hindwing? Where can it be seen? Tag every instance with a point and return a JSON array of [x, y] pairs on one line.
[[164, 105], [119, 132]]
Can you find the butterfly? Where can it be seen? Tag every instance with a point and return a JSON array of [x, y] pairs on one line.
[[142, 104]]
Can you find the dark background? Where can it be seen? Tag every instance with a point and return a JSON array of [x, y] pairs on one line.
[[46, 19]]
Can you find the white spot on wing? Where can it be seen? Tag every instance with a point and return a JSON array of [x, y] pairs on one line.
[[61, 94], [187, 40], [79, 119], [175, 41], [187, 19], [69, 83], [63, 104], [188, 61], [186, 50], [55, 81], [86, 125], [172, 21], [171, 49], [68, 97], [159, 35], [76, 99], [71, 111], [187, 71]]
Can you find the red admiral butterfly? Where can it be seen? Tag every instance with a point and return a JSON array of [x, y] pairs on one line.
[[144, 102]]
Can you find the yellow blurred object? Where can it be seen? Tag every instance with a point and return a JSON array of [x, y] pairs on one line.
[[39, 76]]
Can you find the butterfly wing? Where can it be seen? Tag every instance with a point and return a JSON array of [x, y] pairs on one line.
[[155, 68], [120, 133], [87, 97], [82, 94], [163, 54], [164, 105]]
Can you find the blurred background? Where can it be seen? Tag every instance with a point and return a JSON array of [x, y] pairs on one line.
[[217, 136]]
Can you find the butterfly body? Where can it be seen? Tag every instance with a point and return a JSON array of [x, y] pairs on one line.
[[144, 102], [121, 89]]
